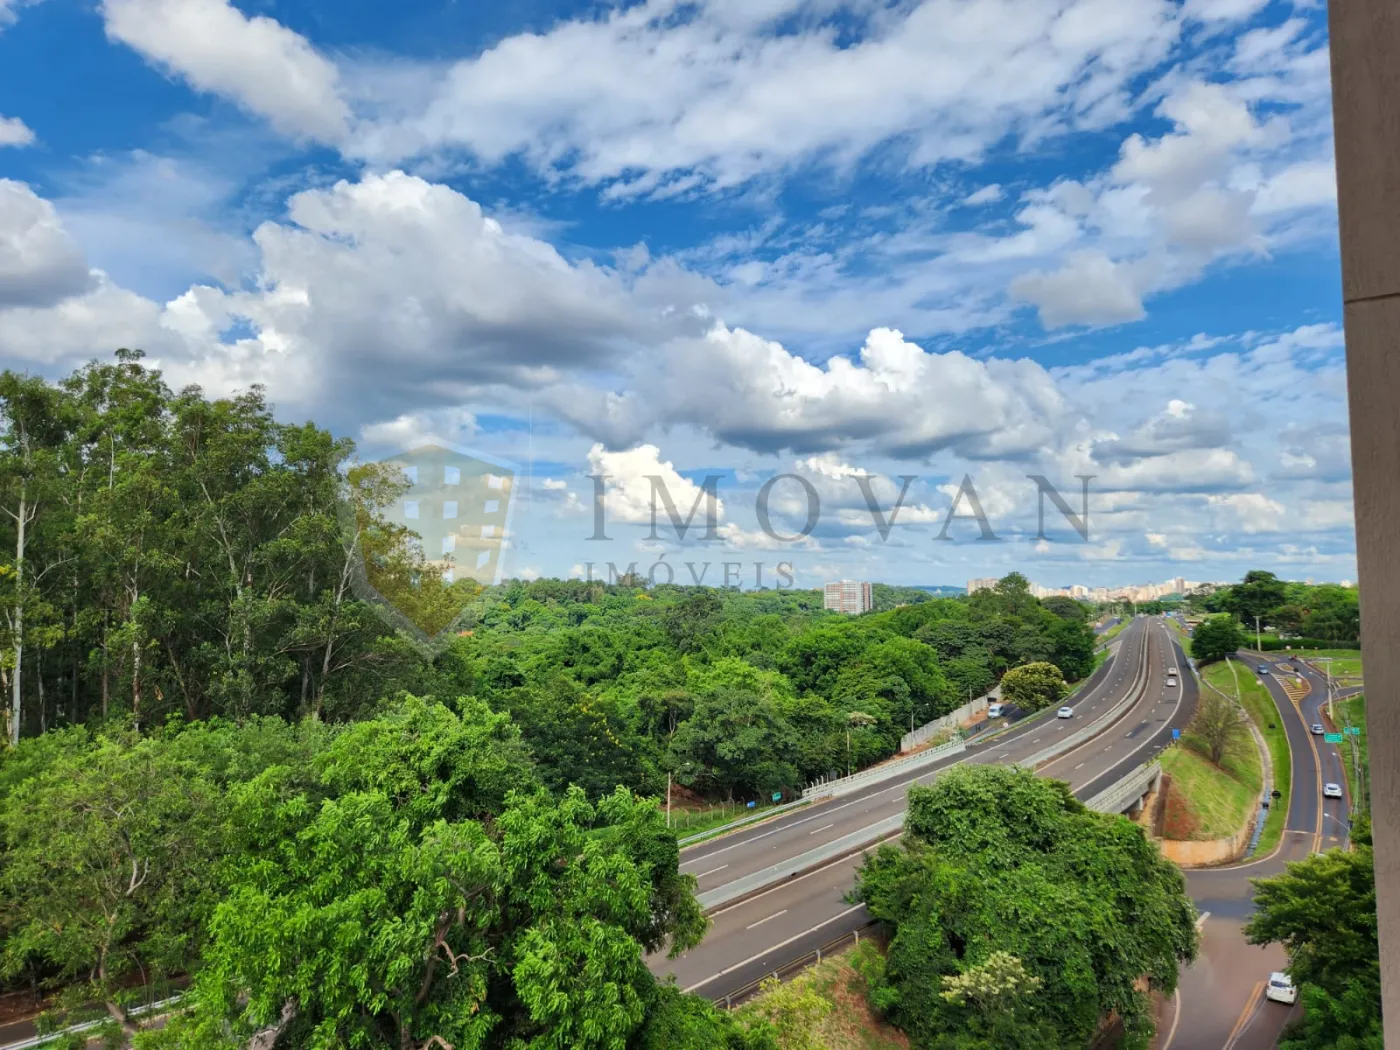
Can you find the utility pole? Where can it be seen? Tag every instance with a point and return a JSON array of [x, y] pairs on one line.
[[668, 798]]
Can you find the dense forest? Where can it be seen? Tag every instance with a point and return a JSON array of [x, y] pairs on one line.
[[1326, 612], [167, 555], [222, 766]]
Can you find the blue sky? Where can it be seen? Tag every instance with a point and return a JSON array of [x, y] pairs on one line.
[[936, 238]]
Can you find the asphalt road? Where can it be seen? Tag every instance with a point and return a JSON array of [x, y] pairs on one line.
[[755, 936], [724, 860], [1220, 1003]]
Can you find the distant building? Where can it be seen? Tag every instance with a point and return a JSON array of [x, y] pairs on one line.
[[848, 596], [987, 583]]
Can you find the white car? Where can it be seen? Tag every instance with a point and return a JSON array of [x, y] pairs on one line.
[[1281, 989], [1065, 712], [1331, 790], [1171, 672]]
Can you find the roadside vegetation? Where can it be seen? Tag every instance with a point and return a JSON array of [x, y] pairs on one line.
[[1019, 918], [1323, 911], [827, 1007], [1260, 706], [1352, 713], [1215, 770], [1117, 629]]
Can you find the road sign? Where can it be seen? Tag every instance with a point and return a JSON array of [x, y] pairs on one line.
[[750, 805], [1352, 730], [777, 796], [1332, 738], [1176, 734]]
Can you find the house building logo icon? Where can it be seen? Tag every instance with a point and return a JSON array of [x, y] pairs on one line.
[[431, 528]]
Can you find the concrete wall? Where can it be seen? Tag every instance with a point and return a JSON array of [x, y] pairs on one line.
[[952, 720], [1364, 36], [1209, 852]]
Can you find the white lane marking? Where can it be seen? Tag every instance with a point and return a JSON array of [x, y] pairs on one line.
[[766, 951], [762, 921], [1081, 765], [1201, 920], [819, 830], [712, 871], [785, 827]]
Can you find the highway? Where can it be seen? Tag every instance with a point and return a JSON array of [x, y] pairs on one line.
[[754, 936], [730, 857], [1220, 1001]]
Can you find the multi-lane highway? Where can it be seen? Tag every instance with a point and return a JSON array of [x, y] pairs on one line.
[[1220, 1002], [758, 934]]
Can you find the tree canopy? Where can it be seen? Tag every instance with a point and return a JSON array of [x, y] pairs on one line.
[[1216, 637], [1323, 911], [1020, 918]]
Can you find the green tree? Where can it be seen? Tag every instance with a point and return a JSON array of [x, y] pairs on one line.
[[1258, 595], [1220, 726], [1216, 637], [108, 869], [406, 893], [1323, 911], [997, 860], [1033, 686], [735, 741]]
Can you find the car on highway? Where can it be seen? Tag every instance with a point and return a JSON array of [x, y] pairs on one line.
[[1331, 790], [1317, 729], [1171, 672], [1263, 668], [995, 710], [1065, 712], [1281, 989]]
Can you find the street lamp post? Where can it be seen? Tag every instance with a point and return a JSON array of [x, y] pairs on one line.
[[1258, 640]]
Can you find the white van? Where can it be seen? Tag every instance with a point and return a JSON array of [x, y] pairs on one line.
[[994, 710]]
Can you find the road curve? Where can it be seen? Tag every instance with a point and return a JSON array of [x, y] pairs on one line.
[[756, 936], [1220, 1001]]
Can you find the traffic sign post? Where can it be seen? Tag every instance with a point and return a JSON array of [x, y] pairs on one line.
[[1332, 738], [1352, 730], [1176, 734]]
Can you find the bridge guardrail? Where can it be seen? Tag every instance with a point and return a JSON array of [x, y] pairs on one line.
[[1112, 798], [794, 866], [845, 785]]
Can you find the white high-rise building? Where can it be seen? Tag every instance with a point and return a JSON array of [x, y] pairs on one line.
[[986, 583], [848, 596]]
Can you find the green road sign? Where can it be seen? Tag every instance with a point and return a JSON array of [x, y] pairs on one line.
[[1333, 738], [1352, 730], [777, 796]]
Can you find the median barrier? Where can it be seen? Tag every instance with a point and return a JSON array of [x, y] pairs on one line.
[[875, 774]]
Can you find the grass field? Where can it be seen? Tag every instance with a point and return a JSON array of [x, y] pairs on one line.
[[1114, 631], [1217, 800], [851, 1024], [1346, 663], [1260, 705], [1352, 712]]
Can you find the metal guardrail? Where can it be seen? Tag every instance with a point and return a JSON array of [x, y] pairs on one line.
[[794, 866], [1131, 787], [875, 774], [88, 1026], [793, 966], [752, 818]]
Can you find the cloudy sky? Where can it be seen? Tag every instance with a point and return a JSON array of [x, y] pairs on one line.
[[854, 240]]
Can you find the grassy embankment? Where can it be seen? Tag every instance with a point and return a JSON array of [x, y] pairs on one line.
[[1264, 713], [1209, 801], [1352, 712], [1345, 664], [851, 1024], [1114, 631]]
